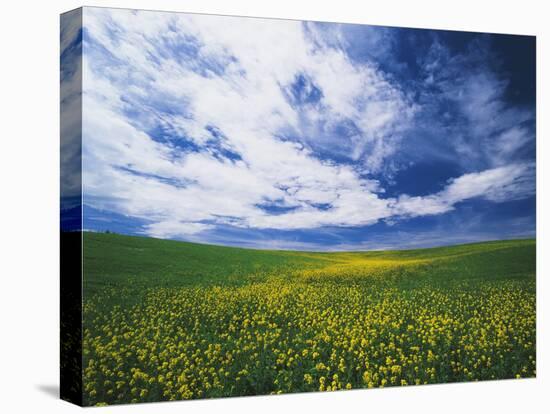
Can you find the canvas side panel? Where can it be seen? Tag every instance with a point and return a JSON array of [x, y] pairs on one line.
[[71, 206]]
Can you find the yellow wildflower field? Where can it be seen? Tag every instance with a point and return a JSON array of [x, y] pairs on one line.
[[205, 322]]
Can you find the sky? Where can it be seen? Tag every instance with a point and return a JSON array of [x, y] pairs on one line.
[[280, 134]]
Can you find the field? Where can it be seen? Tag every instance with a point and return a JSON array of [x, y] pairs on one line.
[[167, 320]]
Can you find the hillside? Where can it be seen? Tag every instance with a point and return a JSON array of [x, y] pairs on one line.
[[117, 259]]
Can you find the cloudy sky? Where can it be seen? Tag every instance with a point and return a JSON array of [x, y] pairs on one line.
[[299, 135]]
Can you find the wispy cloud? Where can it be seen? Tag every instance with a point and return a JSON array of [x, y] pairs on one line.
[[269, 124], [70, 103], [467, 94], [506, 183]]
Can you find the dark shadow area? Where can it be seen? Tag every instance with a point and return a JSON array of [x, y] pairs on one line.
[[71, 317]]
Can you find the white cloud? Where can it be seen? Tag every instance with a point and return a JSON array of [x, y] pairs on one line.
[[506, 183], [238, 89], [70, 101], [172, 229], [498, 184]]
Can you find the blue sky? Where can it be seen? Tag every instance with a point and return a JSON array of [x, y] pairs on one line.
[[299, 135]]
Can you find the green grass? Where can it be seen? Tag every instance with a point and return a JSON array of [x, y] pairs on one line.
[[112, 259]]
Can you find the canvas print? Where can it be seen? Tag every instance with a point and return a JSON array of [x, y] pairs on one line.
[[258, 206]]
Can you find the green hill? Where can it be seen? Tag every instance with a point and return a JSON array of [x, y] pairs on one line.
[[112, 259]]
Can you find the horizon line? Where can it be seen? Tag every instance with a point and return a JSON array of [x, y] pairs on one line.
[[91, 231]]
